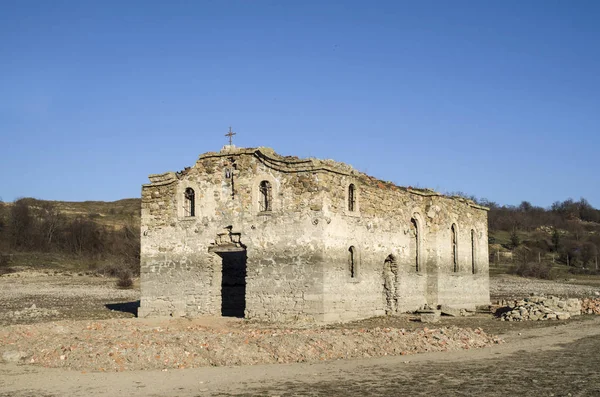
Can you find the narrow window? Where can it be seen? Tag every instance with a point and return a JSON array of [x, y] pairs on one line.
[[415, 237], [352, 261], [454, 250], [190, 202], [351, 197], [473, 251], [264, 199]]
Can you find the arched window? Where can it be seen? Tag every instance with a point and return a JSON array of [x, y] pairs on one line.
[[264, 196], [352, 261], [351, 197], [473, 251], [454, 249], [190, 202], [414, 228]]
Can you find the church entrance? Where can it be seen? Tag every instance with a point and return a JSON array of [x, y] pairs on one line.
[[233, 283], [229, 247]]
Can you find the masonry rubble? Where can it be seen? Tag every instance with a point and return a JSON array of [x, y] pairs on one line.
[[590, 305], [539, 308]]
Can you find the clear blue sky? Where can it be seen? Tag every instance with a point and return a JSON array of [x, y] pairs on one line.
[[499, 99]]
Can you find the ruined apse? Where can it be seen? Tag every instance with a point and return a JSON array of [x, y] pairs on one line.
[[249, 233]]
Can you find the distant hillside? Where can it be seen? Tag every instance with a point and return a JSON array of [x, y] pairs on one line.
[[90, 235], [567, 233], [106, 213]]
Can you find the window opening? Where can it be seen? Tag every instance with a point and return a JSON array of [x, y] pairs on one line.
[[351, 197], [454, 250], [265, 199], [415, 235], [352, 261], [473, 251], [190, 202]]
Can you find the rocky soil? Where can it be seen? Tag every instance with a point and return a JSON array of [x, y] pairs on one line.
[[590, 305], [119, 345]]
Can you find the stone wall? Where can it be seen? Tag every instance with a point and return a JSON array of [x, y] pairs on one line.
[[299, 264], [284, 257], [379, 228]]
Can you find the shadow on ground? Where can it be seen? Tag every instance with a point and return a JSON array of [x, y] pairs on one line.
[[125, 307]]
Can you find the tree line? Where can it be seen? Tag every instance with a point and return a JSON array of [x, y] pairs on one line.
[[567, 231], [30, 225]]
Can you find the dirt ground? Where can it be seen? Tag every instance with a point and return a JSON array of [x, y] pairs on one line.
[[80, 329], [62, 296], [505, 286]]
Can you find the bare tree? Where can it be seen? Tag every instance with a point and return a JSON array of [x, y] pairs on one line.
[[51, 220], [21, 225]]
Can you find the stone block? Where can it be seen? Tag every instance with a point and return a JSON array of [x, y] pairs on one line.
[[430, 317], [13, 356], [563, 315], [450, 311], [573, 306]]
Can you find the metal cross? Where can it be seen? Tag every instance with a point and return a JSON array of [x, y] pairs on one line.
[[230, 134]]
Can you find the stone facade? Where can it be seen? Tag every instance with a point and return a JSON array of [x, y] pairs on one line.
[[246, 232]]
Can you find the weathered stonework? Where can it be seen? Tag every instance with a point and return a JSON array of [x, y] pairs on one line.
[[304, 245]]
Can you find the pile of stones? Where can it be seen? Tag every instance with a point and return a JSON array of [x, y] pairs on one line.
[[536, 308], [590, 306]]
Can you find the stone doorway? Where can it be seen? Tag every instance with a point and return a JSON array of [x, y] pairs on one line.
[[233, 284], [229, 247]]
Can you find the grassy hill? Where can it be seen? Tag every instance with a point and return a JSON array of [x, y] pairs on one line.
[[106, 213]]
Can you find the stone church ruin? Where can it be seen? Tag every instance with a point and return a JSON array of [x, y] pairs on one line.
[[248, 233]]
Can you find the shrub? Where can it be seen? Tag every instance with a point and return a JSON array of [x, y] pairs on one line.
[[515, 240], [583, 270], [125, 281], [533, 269], [107, 269], [4, 265]]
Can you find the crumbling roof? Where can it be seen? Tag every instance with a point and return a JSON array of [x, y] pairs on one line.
[[295, 164]]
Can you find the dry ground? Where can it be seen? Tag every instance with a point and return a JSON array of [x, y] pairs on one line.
[[59, 320], [59, 295]]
